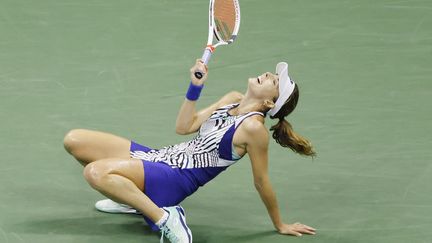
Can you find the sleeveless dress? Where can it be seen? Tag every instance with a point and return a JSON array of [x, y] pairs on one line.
[[174, 172]]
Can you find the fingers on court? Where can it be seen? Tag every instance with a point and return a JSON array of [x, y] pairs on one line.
[[305, 229], [290, 232], [302, 228]]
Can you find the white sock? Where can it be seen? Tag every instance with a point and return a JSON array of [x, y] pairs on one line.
[[162, 220]]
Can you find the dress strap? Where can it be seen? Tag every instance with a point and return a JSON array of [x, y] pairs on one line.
[[243, 117], [225, 108], [229, 106]]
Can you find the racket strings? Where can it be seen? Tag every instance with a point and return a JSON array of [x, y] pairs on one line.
[[225, 18]]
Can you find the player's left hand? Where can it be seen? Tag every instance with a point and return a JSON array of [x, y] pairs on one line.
[[296, 229]]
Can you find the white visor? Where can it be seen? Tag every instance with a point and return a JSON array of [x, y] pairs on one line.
[[286, 87]]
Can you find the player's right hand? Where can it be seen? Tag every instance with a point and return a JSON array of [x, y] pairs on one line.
[[296, 229], [199, 67]]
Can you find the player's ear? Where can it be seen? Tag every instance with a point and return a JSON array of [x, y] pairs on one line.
[[268, 104]]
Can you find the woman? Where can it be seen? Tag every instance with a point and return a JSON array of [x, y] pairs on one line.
[[155, 181]]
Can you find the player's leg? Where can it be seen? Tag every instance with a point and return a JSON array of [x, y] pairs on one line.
[[88, 146], [122, 180]]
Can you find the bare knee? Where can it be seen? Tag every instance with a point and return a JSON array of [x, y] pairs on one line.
[[74, 140], [88, 145], [94, 175]]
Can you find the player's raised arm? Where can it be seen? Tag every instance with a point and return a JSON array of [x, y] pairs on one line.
[[188, 119], [187, 113]]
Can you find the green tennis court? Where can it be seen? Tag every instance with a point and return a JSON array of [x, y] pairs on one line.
[[363, 67]]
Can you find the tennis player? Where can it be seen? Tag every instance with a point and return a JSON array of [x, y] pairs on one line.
[[155, 181]]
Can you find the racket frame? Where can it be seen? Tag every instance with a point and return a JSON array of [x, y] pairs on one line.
[[212, 33]]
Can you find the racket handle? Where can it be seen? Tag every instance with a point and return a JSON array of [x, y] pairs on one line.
[[205, 59], [206, 56]]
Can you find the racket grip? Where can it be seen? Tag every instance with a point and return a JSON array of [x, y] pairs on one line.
[[205, 59], [206, 56]]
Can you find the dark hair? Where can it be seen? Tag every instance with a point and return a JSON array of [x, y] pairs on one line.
[[283, 132]]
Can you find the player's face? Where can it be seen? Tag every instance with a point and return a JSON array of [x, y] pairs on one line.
[[265, 86]]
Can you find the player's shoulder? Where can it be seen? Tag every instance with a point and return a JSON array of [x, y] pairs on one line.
[[253, 132], [254, 126], [236, 95], [230, 98]]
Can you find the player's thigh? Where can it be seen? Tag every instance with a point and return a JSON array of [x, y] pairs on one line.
[[88, 145], [131, 169]]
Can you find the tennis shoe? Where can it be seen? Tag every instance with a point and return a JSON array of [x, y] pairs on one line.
[[109, 206], [175, 228]]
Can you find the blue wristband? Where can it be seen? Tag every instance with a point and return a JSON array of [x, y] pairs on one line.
[[194, 92]]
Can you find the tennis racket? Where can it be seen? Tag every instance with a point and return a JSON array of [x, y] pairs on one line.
[[224, 24]]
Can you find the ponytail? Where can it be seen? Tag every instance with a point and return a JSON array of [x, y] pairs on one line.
[[283, 132], [284, 135]]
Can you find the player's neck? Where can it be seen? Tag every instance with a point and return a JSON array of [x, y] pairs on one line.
[[246, 105]]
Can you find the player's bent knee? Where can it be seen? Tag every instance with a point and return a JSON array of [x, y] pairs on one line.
[[94, 175], [73, 139]]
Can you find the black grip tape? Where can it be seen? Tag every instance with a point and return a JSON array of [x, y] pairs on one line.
[[198, 75]]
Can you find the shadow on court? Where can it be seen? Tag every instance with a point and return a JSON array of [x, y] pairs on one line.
[[104, 226], [215, 234]]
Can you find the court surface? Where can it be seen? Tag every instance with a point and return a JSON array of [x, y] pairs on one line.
[[363, 67]]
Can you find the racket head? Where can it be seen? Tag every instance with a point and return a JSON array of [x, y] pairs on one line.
[[225, 20]]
